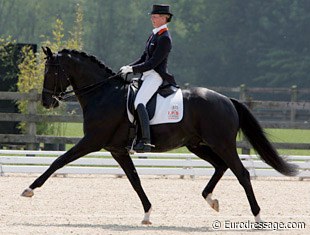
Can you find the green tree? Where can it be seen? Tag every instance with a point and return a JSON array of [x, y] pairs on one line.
[[31, 69], [222, 43], [8, 63], [286, 59]]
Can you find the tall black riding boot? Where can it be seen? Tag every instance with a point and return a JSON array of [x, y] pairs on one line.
[[144, 145]]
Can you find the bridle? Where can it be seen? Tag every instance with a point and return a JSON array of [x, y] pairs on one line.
[[63, 94], [59, 96]]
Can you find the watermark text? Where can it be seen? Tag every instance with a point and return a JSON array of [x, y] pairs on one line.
[[245, 225]]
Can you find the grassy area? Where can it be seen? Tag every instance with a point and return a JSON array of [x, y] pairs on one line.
[[290, 136], [275, 135], [74, 129]]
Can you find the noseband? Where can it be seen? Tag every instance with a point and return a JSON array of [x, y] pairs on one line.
[[64, 95]]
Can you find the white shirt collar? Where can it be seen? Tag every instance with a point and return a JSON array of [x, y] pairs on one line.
[[156, 30]]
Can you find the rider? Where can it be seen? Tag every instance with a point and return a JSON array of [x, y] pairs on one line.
[[153, 66]]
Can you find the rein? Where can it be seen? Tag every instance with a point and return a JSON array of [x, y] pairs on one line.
[[64, 95]]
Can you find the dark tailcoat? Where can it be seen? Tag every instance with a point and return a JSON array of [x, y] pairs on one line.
[[155, 56]]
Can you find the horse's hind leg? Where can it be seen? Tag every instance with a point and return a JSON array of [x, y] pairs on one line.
[[127, 165], [83, 147], [207, 154], [231, 158]]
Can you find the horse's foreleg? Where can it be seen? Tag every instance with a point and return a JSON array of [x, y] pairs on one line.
[[207, 154], [80, 149], [127, 165]]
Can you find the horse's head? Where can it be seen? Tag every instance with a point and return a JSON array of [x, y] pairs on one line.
[[70, 67], [55, 80]]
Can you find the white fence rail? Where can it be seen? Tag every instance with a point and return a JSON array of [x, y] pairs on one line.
[[19, 161]]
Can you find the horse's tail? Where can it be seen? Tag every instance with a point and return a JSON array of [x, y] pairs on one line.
[[257, 137]]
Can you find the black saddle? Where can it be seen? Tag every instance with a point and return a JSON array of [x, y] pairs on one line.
[[164, 90]]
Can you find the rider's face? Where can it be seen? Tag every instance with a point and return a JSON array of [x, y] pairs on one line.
[[158, 20]]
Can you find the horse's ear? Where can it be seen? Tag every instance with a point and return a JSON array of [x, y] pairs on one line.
[[44, 50], [47, 51]]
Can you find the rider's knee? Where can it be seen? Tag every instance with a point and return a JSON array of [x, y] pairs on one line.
[[139, 102]]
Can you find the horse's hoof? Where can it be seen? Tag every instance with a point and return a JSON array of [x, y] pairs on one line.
[[146, 222], [27, 193], [258, 219], [215, 205]]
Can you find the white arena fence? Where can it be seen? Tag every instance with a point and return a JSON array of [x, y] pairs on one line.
[[27, 161]]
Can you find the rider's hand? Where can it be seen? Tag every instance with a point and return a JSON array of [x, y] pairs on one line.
[[126, 69]]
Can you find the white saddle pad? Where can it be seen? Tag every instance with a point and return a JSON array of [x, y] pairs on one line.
[[168, 110]]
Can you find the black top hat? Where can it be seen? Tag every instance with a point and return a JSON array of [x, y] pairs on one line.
[[162, 9]]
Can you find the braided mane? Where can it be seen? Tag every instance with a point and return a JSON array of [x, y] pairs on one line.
[[92, 59]]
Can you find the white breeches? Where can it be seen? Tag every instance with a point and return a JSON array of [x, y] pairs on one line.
[[151, 83]]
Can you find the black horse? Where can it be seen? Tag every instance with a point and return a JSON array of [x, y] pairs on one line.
[[208, 129]]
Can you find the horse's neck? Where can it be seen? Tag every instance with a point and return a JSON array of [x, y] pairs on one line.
[[82, 74], [80, 79], [85, 75], [109, 94]]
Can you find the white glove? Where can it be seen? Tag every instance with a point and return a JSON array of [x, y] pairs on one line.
[[126, 69]]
